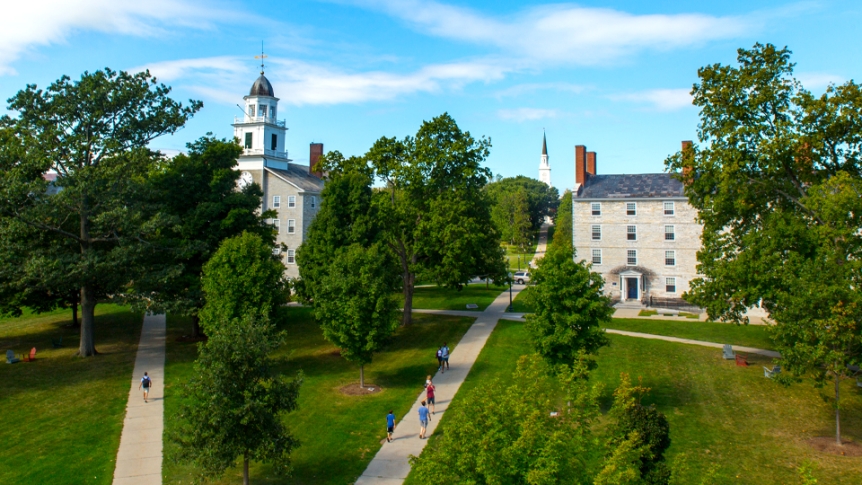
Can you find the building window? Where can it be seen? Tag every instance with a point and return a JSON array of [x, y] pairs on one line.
[[251, 110], [277, 224], [597, 233], [291, 256], [272, 111], [597, 256], [669, 209], [291, 201], [276, 201], [263, 111], [670, 285], [632, 233], [631, 209], [670, 258], [274, 142], [632, 257], [291, 226], [669, 235], [276, 251], [597, 208], [248, 140], [313, 202]]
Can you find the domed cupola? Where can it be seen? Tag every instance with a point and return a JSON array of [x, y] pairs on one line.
[[261, 87]]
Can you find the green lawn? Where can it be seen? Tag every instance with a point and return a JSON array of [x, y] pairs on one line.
[[723, 333], [339, 434], [514, 257], [438, 298], [61, 416], [751, 428], [519, 305]]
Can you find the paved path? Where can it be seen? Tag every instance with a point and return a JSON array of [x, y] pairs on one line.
[[139, 460], [736, 348], [391, 464]]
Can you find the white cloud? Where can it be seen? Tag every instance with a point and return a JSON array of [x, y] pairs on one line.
[[526, 114], [527, 88], [818, 80], [566, 33], [26, 25], [660, 99], [227, 79]]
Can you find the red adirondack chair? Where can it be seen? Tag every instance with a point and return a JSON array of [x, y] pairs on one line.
[[31, 357]]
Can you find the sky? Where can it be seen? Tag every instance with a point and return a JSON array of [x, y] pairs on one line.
[[614, 75]]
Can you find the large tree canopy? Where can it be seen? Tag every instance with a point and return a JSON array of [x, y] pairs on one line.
[[542, 200], [776, 182], [90, 222]]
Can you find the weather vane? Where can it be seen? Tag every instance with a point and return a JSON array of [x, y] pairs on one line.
[[262, 56]]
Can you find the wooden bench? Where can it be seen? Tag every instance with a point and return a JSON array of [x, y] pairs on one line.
[[472, 306]]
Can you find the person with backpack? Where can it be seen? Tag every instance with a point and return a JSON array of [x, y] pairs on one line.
[[440, 358], [146, 383], [444, 353]]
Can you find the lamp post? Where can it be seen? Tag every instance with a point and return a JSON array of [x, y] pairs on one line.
[[510, 292]]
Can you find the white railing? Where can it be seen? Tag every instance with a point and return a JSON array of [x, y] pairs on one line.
[[264, 152], [259, 119]]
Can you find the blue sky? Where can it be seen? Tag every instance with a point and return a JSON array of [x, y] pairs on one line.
[[612, 75]]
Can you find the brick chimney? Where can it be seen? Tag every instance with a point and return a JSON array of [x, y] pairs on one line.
[[591, 163], [314, 153], [580, 164], [686, 171]]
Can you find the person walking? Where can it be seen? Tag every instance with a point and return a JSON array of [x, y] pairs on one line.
[[429, 394], [445, 351], [146, 383], [390, 426], [439, 358], [424, 417]]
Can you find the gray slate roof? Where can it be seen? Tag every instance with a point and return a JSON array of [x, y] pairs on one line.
[[299, 176], [642, 185]]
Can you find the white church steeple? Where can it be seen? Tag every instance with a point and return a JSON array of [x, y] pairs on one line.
[[259, 131], [544, 166]]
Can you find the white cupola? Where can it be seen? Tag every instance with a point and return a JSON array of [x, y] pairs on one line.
[[259, 131]]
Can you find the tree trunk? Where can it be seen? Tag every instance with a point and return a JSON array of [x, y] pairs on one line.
[[837, 414], [196, 326], [361, 375], [245, 469], [409, 282], [88, 308]]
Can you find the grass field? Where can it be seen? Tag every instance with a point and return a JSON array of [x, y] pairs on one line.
[[749, 427], [340, 434], [724, 333], [61, 416], [438, 298]]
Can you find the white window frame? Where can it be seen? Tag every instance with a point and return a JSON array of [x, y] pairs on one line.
[[597, 256], [631, 230], [262, 110], [291, 201], [291, 226], [276, 201], [634, 208], [291, 256], [277, 224], [629, 254], [593, 232], [596, 207], [251, 110], [670, 256], [671, 233], [670, 285], [672, 209], [313, 201], [276, 251]]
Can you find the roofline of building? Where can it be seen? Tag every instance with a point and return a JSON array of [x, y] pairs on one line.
[[300, 189], [669, 197]]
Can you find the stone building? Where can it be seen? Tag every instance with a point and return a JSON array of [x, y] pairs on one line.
[[638, 231], [292, 190]]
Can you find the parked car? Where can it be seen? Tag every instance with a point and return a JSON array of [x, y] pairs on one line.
[[521, 277]]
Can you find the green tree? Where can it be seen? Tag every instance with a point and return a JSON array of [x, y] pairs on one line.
[[569, 306], [354, 304], [197, 192], [542, 200], [93, 133], [434, 215], [235, 402], [511, 215], [563, 221], [776, 182], [242, 278]]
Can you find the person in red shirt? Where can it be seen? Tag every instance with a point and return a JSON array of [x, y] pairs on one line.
[[429, 394]]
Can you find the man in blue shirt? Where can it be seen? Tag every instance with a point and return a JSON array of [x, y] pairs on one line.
[[390, 425], [424, 417]]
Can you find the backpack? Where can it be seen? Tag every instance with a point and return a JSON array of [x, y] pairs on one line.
[[440, 352], [147, 381]]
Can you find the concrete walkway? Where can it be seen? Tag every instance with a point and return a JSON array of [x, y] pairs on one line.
[[391, 464], [736, 348], [139, 459]]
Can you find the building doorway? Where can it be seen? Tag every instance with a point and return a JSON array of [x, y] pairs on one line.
[[631, 288]]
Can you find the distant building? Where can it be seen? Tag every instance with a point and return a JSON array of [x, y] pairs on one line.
[[638, 231], [292, 190], [544, 166]]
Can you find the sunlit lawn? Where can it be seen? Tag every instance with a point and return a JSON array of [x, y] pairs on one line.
[[340, 434], [61, 416], [749, 427], [439, 298]]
